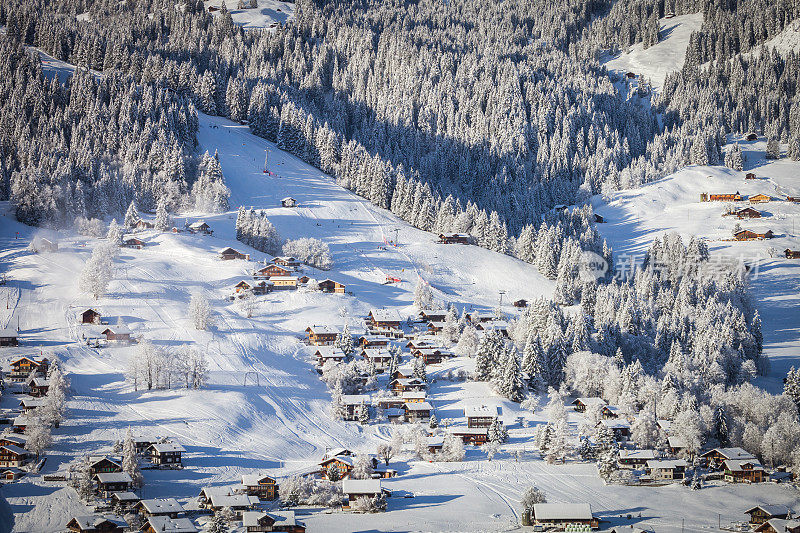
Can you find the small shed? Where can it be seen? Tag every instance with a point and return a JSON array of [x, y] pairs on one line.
[[521, 303], [9, 337], [90, 316], [228, 254]]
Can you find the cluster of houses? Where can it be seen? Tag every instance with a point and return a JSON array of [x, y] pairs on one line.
[[768, 518], [736, 197], [99, 331], [279, 274]]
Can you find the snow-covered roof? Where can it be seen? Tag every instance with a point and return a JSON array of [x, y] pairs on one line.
[[481, 411], [15, 439], [322, 330], [666, 464], [287, 198], [8, 332], [780, 524], [355, 399], [280, 518], [161, 506], [409, 381], [385, 315], [637, 454], [255, 479], [588, 402], [738, 464], [232, 500], [770, 509], [13, 448], [32, 402], [731, 453], [113, 477], [38, 382], [433, 312], [414, 395], [463, 430], [393, 411], [163, 447], [328, 352], [198, 224], [613, 409], [117, 330], [283, 278], [90, 522], [165, 524], [418, 406], [666, 425], [335, 452], [616, 424], [126, 496], [434, 441], [676, 442], [562, 511], [361, 486]]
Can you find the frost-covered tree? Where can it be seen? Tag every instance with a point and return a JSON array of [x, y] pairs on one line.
[[310, 251], [98, 270], [423, 297], [467, 342], [130, 459], [163, 221], [644, 430], [37, 435], [773, 150], [497, 432], [362, 467], [200, 311], [132, 216], [510, 384]]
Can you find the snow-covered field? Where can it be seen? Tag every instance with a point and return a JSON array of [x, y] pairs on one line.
[[267, 14], [668, 55], [635, 217]]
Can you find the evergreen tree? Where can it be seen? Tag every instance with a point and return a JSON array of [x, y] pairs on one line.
[[132, 216]]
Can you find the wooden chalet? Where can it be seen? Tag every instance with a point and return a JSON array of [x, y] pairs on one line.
[[635, 458], [380, 357], [666, 469], [373, 341], [610, 412], [96, 524], [751, 137], [200, 227], [743, 471], [111, 482], [705, 197], [12, 455], [759, 199], [453, 238], [259, 287], [435, 327], [395, 415], [134, 243], [117, 334], [747, 212], [716, 457], [165, 524], [288, 202], [16, 440], [288, 262], [283, 282], [321, 335], [160, 507], [273, 269], [791, 254], [11, 473], [38, 386], [414, 396], [125, 500], [416, 411], [795, 199], [476, 436], [481, 416], [9, 337], [166, 453], [261, 485], [747, 235], [750, 176], [521, 303], [90, 316], [103, 465], [22, 368], [256, 521], [561, 516], [220, 498], [342, 463], [328, 353], [630, 75], [582, 404], [620, 428], [353, 403], [361, 488], [330, 286], [229, 254], [433, 315], [434, 443], [385, 318], [20, 424], [779, 525], [676, 444], [431, 356], [392, 402], [401, 385], [764, 512]]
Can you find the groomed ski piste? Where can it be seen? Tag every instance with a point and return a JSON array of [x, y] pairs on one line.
[[282, 425]]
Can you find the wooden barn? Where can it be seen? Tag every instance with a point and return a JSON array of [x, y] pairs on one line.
[[476, 436], [229, 254], [90, 316], [134, 243], [521, 303], [792, 254], [200, 227], [144, 224], [254, 521], [117, 333], [747, 235], [96, 524], [759, 199], [582, 404], [361, 488], [165, 524], [288, 262], [328, 285], [274, 270], [288, 202], [321, 335], [453, 238], [747, 212], [9, 337], [750, 176], [384, 318]]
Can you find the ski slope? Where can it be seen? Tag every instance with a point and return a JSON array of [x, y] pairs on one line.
[[634, 218], [668, 55], [268, 13]]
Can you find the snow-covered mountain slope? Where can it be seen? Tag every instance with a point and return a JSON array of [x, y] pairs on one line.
[[786, 41], [668, 55], [267, 14], [635, 217]]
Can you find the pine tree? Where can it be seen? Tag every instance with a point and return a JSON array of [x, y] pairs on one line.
[[511, 385], [791, 386], [130, 460], [497, 432], [423, 297], [162, 222], [132, 216], [419, 369]]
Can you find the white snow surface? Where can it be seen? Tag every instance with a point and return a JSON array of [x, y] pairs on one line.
[[668, 55], [634, 218], [786, 41], [266, 15]]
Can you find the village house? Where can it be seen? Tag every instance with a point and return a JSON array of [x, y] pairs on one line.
[[117, 334], [747, 235], [676, 444], [481, 416], [361, 488], [9, 337], [635, 458], [794, 199], [610, 412], [143, 443], [384, 318], [228, 254], [414, 396], [330, 286], [476, 436], [284, 282], [764, 512], [716, 457], [759, 199], [166, 453], [373, 341], [433, 315], [274, 269], [165, 524], [750, 176], [261, 485], [19, 424], [200, 227], [133, 242], [791, 254], [401, 385], [37, 386], [478, 317], [103, 465], [288, 262], [97, 524], [453, 238], [560, 516], [321, 335], [288, 202], [328, 353], [160, 507], [110, 482], [379, 357], [416, 411], [666, 469], [220, 498], [392, 402], [743, 471], [432, 356], [256, 521], [12, 455], [22, 368], [11, 473], [494, 325], [90, 316], [747, 212], [403, 372], [705, 197], [343, 464], [620, 428], [395, 415], [582, 404], [353, 403], [435, 443], [779, 525], [125, 500], [522, 302], [16, 440]]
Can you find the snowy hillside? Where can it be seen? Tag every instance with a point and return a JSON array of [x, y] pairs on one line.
[[635, 217], [266, 15], [668, 55], [786, 41]]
